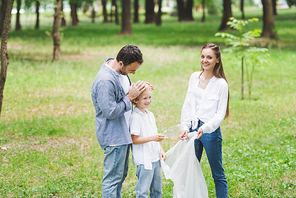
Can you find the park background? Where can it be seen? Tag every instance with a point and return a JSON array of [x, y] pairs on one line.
[[47, 134]]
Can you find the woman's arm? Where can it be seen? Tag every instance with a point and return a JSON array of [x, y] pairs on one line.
[[142, 140]]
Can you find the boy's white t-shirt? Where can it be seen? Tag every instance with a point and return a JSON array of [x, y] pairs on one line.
[[144, 125]]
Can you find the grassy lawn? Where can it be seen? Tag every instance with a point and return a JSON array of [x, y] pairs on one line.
[[47, 121]]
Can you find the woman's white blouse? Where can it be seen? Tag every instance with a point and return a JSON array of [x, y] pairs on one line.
[[212, 107]]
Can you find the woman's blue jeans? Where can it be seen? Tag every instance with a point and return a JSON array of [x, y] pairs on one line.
[[116, 160], [212, 143]]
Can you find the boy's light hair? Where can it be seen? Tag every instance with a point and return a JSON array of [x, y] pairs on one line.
[[147, 89]]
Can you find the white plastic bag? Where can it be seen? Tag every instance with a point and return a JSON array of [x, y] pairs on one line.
[[183, 168]]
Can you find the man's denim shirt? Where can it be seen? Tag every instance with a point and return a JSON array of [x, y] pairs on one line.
[[110, 104]]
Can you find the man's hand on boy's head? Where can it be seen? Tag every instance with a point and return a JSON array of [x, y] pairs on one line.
[[135, 90], [150, 85]]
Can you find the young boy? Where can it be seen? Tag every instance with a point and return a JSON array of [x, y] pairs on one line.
[[146, 149]]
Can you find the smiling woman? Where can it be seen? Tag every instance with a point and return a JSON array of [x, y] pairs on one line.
[[204, 109]]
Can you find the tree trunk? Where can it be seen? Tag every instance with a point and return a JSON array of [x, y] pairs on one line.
[[116, 12], [185, 10], [105, 14], [227, 13], [242, 9], [4, 56], [203, 19], [149, 14], [93, 13], [181, 14], [188, 10], [136, 11], [74, 13], [18, 8], [56, 32], [63, 20], [126, 27], [37, 14], [3, 12], [268, 21], [159, 13], [274, 7]]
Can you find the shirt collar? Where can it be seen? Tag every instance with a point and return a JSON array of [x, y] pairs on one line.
[[112, 71], [140, 112]]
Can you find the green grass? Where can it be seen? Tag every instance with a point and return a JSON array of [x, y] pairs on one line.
[[47, 121]]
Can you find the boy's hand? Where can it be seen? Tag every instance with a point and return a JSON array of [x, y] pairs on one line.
[[159, 137], [183, 135], [162, 154]]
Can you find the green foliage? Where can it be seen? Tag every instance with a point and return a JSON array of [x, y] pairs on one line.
[[291, 3], [241, 45]]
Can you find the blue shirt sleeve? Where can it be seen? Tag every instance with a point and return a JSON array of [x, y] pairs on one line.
[[112, 106]]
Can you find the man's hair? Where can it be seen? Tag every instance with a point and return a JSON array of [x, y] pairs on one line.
[[129, 54]]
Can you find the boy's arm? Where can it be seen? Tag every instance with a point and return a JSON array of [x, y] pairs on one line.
[[141, 140]]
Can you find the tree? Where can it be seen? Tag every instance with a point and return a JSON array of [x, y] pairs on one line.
[[74, 16], [159, 13], [4, 37], [136, 11], [268, 21], [37, 14], [28, 4], [149, 14], [185, 10], [203, 18], [227, 13], [274, 7], [18, 8], [115, 9], [55, 30], [242, 9], [291, 3], [240, 46], [3, 12], [105, 14], [126, 26], [63, 20]]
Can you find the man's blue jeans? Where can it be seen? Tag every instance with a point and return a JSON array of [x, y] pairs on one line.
[[212, 142], [116, 159], [149, 179]]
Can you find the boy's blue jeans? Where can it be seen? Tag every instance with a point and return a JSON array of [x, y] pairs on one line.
[[212, 142], [116, 160], [149, 180]]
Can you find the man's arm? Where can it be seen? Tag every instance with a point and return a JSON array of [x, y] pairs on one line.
[[106, 100]]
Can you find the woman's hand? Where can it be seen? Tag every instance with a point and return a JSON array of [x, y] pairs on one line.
[[199, 133], [183, 135]]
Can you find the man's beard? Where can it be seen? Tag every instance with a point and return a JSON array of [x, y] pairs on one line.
[[123, 71]]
